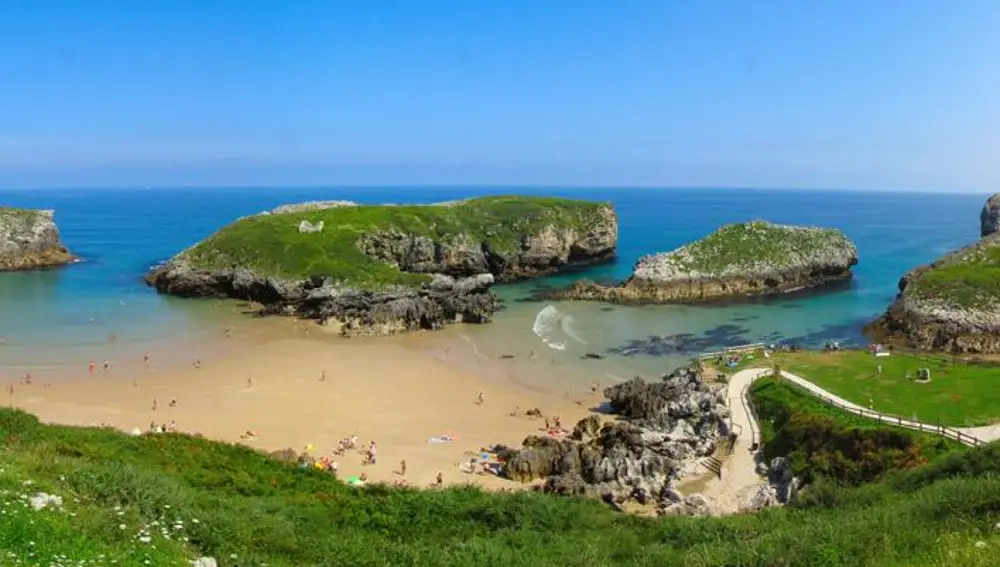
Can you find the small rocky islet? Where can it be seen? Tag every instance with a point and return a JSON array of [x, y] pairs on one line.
[[380, 269], [736, 262], [953, 303], [30, 239]]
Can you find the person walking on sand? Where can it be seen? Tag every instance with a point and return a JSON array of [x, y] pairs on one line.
[[92, 366], [154, 404], [481, 399], [145, 357], [440, 479], [322, 376], [249, 382], [402, 467], [106, 365]]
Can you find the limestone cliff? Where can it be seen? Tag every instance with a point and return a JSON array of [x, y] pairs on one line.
[[29, 239], [379, 269], [952, 304], [737, 261]]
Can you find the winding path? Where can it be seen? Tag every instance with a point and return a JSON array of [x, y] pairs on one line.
[[739, 477]]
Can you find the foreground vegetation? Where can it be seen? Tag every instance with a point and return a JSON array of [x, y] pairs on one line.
[[821, 441], [752, 244], [271, 245], [960, 393], [164, 499]]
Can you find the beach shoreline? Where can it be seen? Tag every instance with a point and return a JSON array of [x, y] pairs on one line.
[[294, 387]]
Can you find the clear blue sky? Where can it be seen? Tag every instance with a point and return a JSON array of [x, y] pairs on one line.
[[867, 94]]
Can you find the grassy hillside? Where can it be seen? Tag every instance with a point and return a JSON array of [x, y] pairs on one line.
[[271, 245], [163, 499], [746, 245], [823, 441], [970, 279]]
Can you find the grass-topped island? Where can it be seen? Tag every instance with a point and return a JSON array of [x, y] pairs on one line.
[[952, 304], [736, 262], [385, 268]]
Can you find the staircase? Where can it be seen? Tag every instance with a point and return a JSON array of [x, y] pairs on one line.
[[712, 464]]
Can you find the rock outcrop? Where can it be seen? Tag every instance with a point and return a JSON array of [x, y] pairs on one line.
[[382, 269], [667, 427], [780, 488], [989, 217], [30, 239], [738, 261], [952, 304]]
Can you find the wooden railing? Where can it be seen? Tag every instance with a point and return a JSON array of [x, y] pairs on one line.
[[899, 421], [889, 419]]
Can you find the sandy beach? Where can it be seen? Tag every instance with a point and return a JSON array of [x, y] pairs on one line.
[[273, 385]]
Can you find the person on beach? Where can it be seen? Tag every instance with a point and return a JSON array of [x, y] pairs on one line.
[[145, 358], [322, 376], [481, 399], [229, 332], [440, 479], [92, 366], [173, 402], [106, 365], [531, 353], [249, 382], [353, 442], [594, 387], [154, 404], [197, 363], [27, 378], [402, 467]]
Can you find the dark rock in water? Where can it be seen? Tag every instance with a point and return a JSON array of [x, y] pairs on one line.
[[506, 356], [607, 308], [670, 424], [685, 343], [592, 355]]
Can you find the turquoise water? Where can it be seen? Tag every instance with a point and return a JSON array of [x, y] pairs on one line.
[[119, 234]]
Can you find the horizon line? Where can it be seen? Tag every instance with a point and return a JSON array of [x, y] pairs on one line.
[[506, 186]]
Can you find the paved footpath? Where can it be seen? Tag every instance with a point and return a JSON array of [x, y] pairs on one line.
[[739, 472]]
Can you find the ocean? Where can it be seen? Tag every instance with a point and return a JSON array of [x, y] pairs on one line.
[[65, 317]]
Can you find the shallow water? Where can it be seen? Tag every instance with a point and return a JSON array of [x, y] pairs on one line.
[[65, 317]]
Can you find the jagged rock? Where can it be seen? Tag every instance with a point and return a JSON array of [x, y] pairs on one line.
[[30, 239], [780, 488], [989, 218], [310, 206], [737, 261], [670, 424], [950, 304], [587, 428]]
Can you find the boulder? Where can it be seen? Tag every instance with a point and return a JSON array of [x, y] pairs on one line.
[[989, 217]]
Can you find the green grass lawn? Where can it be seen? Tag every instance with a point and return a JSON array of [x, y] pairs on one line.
[[164, 499], [821, 440], [960, 394]]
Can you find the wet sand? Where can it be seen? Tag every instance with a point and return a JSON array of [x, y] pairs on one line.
[[398, 392]]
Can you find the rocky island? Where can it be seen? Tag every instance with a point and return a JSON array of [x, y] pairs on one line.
[[737, 261], [388, 268], [952, 304], [30, 239]]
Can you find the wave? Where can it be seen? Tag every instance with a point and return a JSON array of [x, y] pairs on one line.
[[568, 325], [555, 328]]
